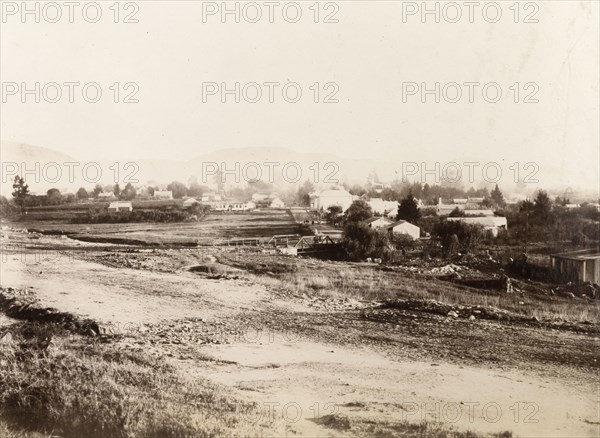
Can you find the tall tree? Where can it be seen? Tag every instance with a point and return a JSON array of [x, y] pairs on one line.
[[129, 192], [82, 193], [54, 197], [97, 190], [497, 197], [542, 207], [426, 194], [179, 189], [332, 213], [408, 209], [20, 191], [117, 190], [357, 190], [195, 188], [358, 211], [304, 193]]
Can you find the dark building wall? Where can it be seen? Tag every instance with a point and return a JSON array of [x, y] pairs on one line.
[[577, 271]]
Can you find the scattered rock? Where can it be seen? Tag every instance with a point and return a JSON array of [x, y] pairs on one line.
[[453, 314], [471, 318]]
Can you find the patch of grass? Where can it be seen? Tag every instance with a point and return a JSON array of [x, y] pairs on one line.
[[339, 279], [55, 383], [364, 427]]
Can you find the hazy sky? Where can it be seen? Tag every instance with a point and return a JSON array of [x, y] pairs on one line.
[[369, 53]]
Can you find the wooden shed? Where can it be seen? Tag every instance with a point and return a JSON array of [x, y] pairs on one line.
[[577, 266]]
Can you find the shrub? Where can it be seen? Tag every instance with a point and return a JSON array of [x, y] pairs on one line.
[[458, 236], [361, 241], [93, 216]]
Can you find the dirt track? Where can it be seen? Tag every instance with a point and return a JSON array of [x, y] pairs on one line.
[[321, 369]]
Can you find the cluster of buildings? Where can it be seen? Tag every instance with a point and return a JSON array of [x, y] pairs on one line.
[[217, 203], [330, 198], [163, 194], [471, 211], [387, 209], [270, 200], [394, 227]]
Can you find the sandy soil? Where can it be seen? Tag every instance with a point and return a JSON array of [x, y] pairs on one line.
[[304, 365]]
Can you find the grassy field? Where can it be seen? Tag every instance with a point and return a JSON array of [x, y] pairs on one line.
[[216, 226], [57, 383], [62, 384]]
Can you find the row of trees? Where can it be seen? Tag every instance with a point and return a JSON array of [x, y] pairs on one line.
[[164, 215], [429, 194]]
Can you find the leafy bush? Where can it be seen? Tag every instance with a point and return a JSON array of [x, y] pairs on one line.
[[458, 236], [7, 208], [361, 241]]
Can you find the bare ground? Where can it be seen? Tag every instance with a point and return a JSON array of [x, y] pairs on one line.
[[325, 366]]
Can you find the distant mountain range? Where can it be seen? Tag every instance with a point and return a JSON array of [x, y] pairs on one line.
[[42, 165], [45, 168]]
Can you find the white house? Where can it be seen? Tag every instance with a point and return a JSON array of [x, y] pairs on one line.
[[469, 212], [380, 206], [378, 187], [163, 194], [329, 198], [119, 206], [219, 206], [277, 203], [489, 223], [378, 222], [404, 227], [106, 196], [232, 206], [470, 206]]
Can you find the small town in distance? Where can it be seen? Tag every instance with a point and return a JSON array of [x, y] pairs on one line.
[[550, 236]]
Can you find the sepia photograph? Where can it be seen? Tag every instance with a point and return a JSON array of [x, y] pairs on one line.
[[310, 218]]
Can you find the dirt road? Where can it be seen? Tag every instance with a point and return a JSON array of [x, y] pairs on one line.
[[323, 372]]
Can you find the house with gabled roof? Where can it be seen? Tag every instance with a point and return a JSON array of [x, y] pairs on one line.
[[404, 227], [378, 222]]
